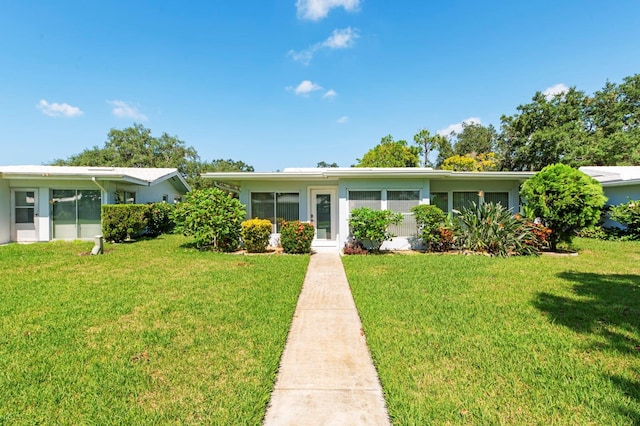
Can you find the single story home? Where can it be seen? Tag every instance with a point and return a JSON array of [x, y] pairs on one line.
[[620, 184], [43, 203], [326, 196]]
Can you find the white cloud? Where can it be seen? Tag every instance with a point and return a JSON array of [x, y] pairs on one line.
[[314, 10], [58, 110], [305, 88], [339, 39], [343, 119], [457, 127], [554, 90], [330, 94], [123, 110]]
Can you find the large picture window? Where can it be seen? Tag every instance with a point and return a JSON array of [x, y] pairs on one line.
[[399, 201], [76, 213], [370, 199], [464, 199], [440, 200], [497, 197], [275, 206]]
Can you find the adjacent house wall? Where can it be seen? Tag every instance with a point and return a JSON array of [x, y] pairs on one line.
[[5, 212], [618, 195]]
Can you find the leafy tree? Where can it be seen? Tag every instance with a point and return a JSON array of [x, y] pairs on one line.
[[372, 226], [429, 143], [220, 165], [565, 199], [390, 153], [471, 163], [324, 165], [212, 217], [475, 139]]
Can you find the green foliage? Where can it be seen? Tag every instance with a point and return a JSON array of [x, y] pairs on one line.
[[372, 226], [492, 229], [475, 139], [627, 214], [428, 143], [123, 221], [430, 219], [390, 153], [212, 217], [324, 164], [159, 219], [471, 163], [296, 237], [566, 200], [255, 234]]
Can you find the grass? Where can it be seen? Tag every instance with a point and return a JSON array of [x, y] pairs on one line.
[[479, 340], [151, 332]]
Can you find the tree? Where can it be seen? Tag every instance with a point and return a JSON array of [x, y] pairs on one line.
[[475, 139], [565, 199], [390, 153], [428, 143], [324, 165], [471, 163]]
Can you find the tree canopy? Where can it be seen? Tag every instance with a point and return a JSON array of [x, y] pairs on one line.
[[390, 153]]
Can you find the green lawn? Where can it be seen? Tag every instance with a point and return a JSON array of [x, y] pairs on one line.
[[478, 340], [150, 332]]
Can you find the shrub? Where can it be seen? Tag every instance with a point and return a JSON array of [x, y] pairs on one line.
[[565, 199], [354, 247], [212, 217], [445, 239], [492, 229], [255, 235], [627, 214], [123, 221], [159, 219], [430, 219], [296, 237], [372, 226]]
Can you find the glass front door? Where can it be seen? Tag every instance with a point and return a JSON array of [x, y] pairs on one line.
[[322, 214]]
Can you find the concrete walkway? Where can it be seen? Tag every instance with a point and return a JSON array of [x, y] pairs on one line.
[[326, 374]]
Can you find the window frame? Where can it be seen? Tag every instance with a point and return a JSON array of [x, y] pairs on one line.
[[275, 227]]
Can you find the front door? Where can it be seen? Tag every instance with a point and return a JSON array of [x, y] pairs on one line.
[[25, 215], [323, 207]]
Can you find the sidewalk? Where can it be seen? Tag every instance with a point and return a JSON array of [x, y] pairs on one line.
[[326, 374]]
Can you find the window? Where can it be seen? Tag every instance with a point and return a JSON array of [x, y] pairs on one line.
[[497, 197], [401, 202], [440, 200], [25, 206], [370, 199], [76, 213], [165, 198], [177, 199], [125, 197], [275, 206], [464, 199]]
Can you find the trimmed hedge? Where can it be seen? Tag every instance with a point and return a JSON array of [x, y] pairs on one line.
[[123, 221], [296, 237], [255, 235]]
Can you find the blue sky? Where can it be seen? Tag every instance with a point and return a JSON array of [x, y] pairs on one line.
[[286, 83]]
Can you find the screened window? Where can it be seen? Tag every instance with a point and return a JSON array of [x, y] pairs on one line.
[[76, 213], [125, 197], [497, 197], [464, 199], [440, 200], [401, 202], [275, 206], [370, 199]]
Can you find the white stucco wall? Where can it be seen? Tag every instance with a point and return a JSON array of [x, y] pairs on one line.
[[5, 212]]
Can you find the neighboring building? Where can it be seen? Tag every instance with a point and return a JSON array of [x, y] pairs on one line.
[[620, 184], [43, 203], [326, 196]]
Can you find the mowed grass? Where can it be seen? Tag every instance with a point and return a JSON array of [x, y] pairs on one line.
[[476, 340], [149, 333]]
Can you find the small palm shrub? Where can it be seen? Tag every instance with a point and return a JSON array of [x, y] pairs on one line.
[[296, 237], [430, 219], [372, 226], [492, 229], [256, 234]]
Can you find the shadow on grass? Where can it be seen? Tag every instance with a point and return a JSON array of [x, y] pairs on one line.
[[603, 305]]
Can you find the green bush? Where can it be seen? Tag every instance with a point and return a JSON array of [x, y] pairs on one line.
[[255, 234], [430, 219], [627, 214], [296, 237], [492, 229], [123, 221], [159, 219], [212, 217], [372, 226], [566, 200]]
